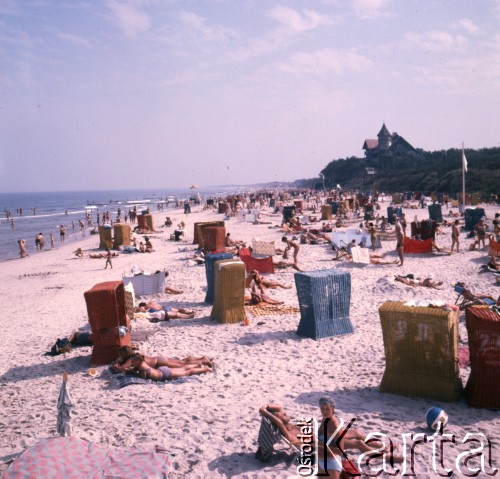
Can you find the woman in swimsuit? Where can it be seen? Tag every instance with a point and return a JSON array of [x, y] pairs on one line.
[[164, 373], [124, 361], [280, 418], [428, 282], [352, 439], [262, 283]]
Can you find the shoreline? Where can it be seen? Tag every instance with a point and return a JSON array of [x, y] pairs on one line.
[[211, 423]]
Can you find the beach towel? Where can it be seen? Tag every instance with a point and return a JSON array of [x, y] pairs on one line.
[[146, 283], [271, 310], [123, 380], [360, 255], [76, 458]]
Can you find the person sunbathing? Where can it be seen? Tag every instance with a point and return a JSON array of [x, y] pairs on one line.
[[101, 255], [258, 297], [124, 361], [282, 420], [284, 265], [440, 249], [263, 283], [375, 258], [410, 280], [469, 296], [148, 246], [352, 438], [164, 373], [170, 313], [292, 433]]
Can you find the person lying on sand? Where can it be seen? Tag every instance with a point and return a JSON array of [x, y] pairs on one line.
[[164, 373], [285, 265], [410, 280], [263, 283], [257, 297], [313, 238], [170, 313], [375, 258], [101, 255], [440, 249], [124, 361]]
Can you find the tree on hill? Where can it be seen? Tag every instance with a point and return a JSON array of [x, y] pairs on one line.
[[421, 171]]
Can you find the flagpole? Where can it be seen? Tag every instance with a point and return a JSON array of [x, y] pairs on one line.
[[463, 179]]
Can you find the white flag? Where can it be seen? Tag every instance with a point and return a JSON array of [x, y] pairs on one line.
[[464, 162]]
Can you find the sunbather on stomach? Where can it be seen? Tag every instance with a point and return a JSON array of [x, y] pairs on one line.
[[164, 373], [124, 361]]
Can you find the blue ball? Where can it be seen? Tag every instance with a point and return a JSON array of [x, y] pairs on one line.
[[435, 415]]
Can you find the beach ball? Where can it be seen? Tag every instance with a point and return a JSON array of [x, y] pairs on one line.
[[434, 415]]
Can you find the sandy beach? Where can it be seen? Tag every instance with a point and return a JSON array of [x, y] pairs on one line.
[[210, 424]]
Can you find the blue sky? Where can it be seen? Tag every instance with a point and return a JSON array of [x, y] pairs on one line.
[[109, 94]]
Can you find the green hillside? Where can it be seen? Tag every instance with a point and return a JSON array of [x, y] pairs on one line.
[[423, 171]]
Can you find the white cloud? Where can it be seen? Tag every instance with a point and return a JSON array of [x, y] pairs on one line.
[[297, 22], [434, 40], [468, 25], [326, 61], [209, 33], [365, 9], [129, 18], [76, 39]]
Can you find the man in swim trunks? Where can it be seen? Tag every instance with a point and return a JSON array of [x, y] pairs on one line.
[[400, 236]]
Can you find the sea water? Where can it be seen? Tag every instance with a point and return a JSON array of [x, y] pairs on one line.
[[45, 212]]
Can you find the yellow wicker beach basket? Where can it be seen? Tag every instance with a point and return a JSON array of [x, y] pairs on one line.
[[121, 235], [421, 350], [326, 212], [229, 302], [105, 237]]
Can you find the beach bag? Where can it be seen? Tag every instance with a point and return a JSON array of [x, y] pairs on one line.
[[62, 346]]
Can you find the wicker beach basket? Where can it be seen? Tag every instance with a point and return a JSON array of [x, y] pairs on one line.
[[121, 235], [229, 298], [105, 237], [421, 351], [483, 385], [107, 311]]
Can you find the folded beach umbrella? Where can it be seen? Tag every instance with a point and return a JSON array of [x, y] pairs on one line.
[[64, 407]]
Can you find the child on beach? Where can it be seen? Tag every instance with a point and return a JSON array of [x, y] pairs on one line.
[[108, 259], [22, 248]]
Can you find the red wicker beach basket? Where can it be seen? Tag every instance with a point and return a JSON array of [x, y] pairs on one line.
[[483, 329], [106, 309]]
